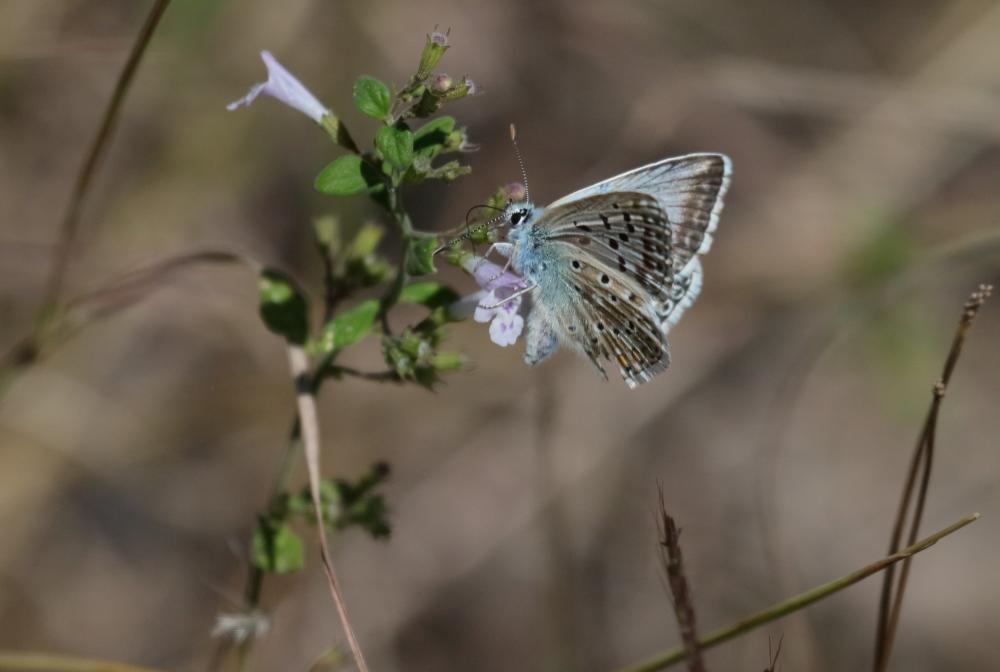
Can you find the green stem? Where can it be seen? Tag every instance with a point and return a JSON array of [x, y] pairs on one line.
[[405, 225], [256, 576], [776, 611]]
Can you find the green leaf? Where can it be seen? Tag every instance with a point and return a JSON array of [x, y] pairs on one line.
[[365, 241], [282, 306], [429, 138], [326, 229], [429, 294], [420, 255], [371, 97], [276, 548], [348, 327], [347, 175], [395, 145]]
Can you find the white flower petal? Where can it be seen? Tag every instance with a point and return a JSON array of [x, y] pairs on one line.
[[283, 85], [505, 329]]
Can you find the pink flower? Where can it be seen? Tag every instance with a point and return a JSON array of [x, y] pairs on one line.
[[498, 286], [283, 86]]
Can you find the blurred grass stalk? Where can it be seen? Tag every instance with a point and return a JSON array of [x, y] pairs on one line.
[[793, 604], [891, 599]]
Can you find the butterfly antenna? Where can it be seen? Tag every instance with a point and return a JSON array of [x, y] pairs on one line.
[[468, 227], [520, 161]]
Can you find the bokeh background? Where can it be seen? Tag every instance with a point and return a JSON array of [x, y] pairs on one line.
[[863, 210]]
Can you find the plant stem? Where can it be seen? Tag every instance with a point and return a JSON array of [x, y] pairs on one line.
[[405, 225], [309, 422], [800, 601], [891, 598], [71, 219], [17, 661]]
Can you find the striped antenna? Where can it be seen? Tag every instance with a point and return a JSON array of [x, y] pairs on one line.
[[520, 162]]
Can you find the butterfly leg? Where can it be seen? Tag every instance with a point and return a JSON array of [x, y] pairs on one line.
[[503, 249], [541, 340], [513, 296]]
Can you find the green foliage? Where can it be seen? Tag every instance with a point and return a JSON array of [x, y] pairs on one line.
[[397, 156], [282, 306], [430, 294], [395, 146], [347, 175], [372, 97], [345, 503], [275, 548], [326, 230], [348, 327], [420, 255], [429, 139]]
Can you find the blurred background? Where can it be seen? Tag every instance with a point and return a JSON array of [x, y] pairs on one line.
[[863, 210]]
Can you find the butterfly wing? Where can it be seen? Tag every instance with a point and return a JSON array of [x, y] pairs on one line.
[[690, 189], [606, 281]]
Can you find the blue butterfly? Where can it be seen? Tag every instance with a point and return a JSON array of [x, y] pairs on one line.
[[612, 267]]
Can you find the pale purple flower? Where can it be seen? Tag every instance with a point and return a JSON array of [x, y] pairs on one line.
[[497, 285], [283, 86]]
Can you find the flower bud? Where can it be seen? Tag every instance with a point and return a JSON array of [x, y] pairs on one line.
[[448, 361], [441, 83], [437, 44], [514, 192]]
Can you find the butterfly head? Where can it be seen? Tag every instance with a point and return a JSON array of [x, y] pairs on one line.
[[519, 213]]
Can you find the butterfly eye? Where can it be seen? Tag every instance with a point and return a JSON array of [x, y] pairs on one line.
[[517, 216]]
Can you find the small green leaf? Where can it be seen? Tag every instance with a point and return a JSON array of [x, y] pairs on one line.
[[429, 138], [348, 327], [282, 307], [395, 145], [275, 548], [420, 255], [326, 229], [347, 175], [429, 294], [365, 241], [371, 97]]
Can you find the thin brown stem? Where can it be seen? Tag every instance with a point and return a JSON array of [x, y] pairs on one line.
[[893, 589], [309, 420], [98, 147], [793, 604], [673, 565]]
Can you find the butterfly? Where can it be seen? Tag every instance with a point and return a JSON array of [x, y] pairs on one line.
[[611, 268]]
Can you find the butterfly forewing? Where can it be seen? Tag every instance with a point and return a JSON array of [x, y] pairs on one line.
[[627, 231], [689, 188], [614, 264]]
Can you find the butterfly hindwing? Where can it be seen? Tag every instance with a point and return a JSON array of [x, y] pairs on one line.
[[618, 323]]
